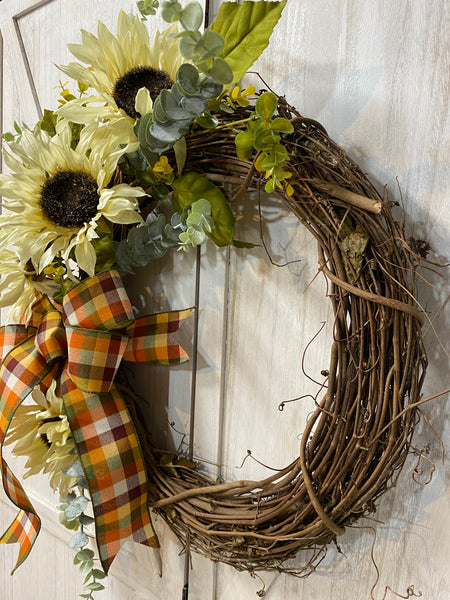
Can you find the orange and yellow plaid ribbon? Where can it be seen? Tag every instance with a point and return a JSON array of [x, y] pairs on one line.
[[82, 347]]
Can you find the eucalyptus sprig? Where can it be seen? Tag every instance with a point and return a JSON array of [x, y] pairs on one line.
[[185, 229], [73, 517], [216, 57], [197, 81], [147, 7]]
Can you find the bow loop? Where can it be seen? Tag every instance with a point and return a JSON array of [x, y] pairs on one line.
[[50, 337], [94, 358], [99, 302]]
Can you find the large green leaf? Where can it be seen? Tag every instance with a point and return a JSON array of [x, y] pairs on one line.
[[246, 29], [190, 188]]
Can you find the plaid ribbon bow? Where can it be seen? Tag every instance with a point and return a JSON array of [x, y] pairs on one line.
[[82, 348]]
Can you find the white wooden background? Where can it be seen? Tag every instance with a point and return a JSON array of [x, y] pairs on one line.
[[376, 74]]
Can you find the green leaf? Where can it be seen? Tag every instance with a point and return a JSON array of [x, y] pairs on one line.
[[244, 145], [8, 137], [98, 574], [83, 555], [266, 105], [270, 186], [194, 105], [180, 154], [95, 587], [170, 11], [192, 187], [246, 29], [75, 470], [210, 89], [167, 135], [79, 540], [207, 121], [220, 71], [86, 568], [210, 44], [72, 525], [281, 125], [170, 106], [48, 122], [191, 16], [86, 519], [248, 245], [188, 78], [106, 257], [76, 508], [187, 47]]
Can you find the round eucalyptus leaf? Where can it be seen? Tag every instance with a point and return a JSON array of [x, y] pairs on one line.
[[210, 89], [171, 107], [209, 45], [194, 105], [191, 17], [83, 555], [187, 47], [188, 78], [76, 508], [170, 12], [167, 134], [75, 470], [159, 114], [79, 540], [86, 567], [220, 71]]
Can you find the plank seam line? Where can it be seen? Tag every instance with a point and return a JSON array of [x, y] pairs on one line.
[[27, 65], [223, 390], [30, 9]]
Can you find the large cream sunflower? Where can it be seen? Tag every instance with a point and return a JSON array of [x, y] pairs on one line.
[[41, 432], [126, 71], [55, 196]]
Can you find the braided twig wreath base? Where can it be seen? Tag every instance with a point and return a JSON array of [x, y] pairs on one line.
[[357, 440]]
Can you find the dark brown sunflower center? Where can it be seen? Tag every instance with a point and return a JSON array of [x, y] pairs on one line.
[[127, 86], [69, 198]]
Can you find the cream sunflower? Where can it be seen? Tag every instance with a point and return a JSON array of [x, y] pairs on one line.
[[41, 432], [55, 196], [126, 71]]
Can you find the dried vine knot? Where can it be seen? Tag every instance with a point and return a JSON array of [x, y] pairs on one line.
[[355, 443]]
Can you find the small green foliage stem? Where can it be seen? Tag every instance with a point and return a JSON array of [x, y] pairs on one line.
[[264, 134]]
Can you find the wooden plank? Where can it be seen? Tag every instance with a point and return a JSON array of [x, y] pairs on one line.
[[168, 284]]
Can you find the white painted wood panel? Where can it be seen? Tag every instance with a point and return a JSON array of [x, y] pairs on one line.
[[376, 75]]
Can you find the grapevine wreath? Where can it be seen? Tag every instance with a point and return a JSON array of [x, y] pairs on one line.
[[147, 156]]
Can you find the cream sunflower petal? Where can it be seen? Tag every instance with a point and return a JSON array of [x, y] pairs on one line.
[[86, 257], [143, 102], [77, 72]]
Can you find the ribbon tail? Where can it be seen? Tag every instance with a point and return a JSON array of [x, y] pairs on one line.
[[25, 527], [112, 460], [151, 339], [22, 369]]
